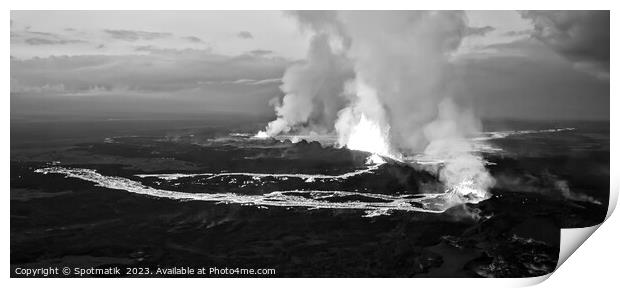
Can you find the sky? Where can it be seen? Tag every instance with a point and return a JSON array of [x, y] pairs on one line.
[[525, 65]]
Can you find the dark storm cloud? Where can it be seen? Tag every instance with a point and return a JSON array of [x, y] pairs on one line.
[[580, 36], [527, 80], [134, 35], [260, 52], [193, 39], [479, 31], [245, 35]]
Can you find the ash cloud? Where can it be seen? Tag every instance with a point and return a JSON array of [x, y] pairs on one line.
[[580, 36]]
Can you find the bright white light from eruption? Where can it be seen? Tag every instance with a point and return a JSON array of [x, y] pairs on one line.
[[261, 135], [375, 159], [367, 136]]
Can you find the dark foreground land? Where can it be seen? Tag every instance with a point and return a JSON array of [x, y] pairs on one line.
[[545, 181]]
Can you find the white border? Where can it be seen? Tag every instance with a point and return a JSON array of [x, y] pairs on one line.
[[592, 260]]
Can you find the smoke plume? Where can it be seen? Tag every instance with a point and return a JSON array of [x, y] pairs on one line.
[[380, 80]]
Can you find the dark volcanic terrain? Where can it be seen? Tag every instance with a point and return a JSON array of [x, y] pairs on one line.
[[546, 180]]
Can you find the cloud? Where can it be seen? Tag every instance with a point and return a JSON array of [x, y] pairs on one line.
[[245, 35], [245, 82], [527, 80], [514, 33], [177, 53], [479, 31], [193, 39], [43, 38], [134, 35], [165, 81], [260, 52], [159, 70], [44, 41], [319, 21], [267, 81], [43, 33], [46, 88], [582, 37]]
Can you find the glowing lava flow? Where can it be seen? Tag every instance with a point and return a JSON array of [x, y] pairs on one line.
[[374, 205]]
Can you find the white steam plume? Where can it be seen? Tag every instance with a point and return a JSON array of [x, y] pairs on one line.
[[462, 171], [403, 56], [396, 100], [312, 90]]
